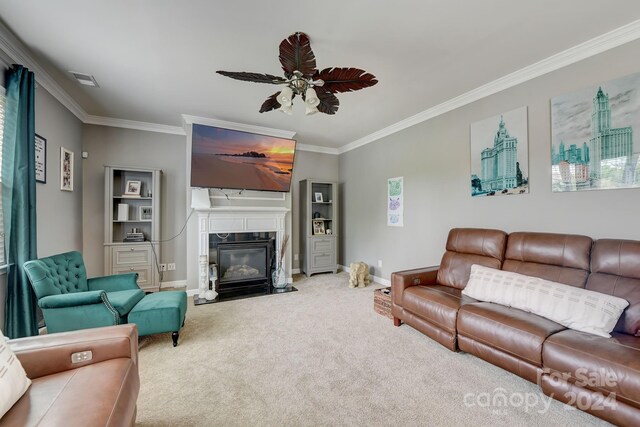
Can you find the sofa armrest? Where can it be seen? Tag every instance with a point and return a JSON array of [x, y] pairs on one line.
[[401, 280], [114, 283], [48, 354], [72, 299]]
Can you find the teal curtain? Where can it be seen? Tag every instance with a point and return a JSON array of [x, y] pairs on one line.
[[19, 200]]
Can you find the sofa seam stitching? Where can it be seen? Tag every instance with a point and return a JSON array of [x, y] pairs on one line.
[[56, 398], [481, 341]]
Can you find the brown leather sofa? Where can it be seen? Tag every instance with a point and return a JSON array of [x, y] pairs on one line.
[[99, 392], [598, 375]]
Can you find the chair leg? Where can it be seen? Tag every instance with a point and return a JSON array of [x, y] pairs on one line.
[[174, 337]]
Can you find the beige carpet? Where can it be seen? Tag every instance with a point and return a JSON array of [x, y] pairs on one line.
[[323, 357]]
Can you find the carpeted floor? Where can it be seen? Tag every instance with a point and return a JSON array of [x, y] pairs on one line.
[[323, 357]]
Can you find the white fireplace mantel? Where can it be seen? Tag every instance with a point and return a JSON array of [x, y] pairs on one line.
[[237, 219]]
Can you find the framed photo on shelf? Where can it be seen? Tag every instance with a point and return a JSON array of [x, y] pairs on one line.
[[145, 213], [133, 189], [318, 226], [66, 169], [41, 159], [318, 197]]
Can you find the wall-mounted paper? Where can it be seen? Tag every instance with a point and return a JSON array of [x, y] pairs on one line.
[[395, 202]]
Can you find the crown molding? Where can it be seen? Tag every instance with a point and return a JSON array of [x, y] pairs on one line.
[[317, 149], [134, 124], [596, 45], [19, 53]]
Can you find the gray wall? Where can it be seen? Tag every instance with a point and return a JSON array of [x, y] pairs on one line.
[[59, 212], [134, 148], [308, 165], [434, 158]]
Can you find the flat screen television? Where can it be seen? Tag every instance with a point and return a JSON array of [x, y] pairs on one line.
[[225, 158]]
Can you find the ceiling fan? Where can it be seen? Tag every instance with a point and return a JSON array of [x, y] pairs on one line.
[[316, 87]]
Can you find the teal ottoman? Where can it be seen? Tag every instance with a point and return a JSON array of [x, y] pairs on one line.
[[160, 312]]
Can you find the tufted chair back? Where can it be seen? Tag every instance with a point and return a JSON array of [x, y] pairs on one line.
[[57, 274]]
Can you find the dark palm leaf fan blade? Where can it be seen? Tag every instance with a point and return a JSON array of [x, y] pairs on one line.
[[345, 79], [296, 55], [328, 102], [270, 104], [252, 77]]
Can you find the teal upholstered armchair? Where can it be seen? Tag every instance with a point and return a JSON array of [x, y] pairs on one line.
[[70, 301]]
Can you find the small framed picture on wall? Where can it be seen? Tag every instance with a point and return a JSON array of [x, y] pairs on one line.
[[41, 159], [66, 169]]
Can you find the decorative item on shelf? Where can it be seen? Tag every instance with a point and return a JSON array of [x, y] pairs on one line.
[[135, 235], [318, 197], [318, 226], [329, 231], [279, 276], [316, 88], [132, 189], [145, 213], [123, 212], [317, 215]]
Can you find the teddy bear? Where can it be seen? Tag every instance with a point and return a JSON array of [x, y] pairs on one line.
[[358, 274]]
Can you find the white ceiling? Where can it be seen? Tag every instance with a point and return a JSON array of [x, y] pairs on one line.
[[156, 59]]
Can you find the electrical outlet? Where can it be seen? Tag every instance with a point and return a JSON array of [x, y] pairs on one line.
[[295, 257], [171, 266], [163, 267], [379, 263]]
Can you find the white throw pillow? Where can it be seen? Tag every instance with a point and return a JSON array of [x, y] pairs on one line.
[[13, 379], [575, 308]]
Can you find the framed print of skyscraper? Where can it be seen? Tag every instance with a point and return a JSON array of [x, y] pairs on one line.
[[592, 137], [500, 154]]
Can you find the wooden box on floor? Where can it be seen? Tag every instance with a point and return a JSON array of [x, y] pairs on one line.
[[382, 302]]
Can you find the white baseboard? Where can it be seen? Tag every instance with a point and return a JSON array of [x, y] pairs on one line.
[[173, 284], [191, 292], [375, 279], [295, 271]]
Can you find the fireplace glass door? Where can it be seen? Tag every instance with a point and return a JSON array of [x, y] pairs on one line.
[[242, 263]]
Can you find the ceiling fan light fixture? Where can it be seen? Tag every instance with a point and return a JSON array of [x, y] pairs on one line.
[[287, 109], [301, 75], [285, 98], [311, 98]]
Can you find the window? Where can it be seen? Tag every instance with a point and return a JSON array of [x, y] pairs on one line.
[[3, 260]]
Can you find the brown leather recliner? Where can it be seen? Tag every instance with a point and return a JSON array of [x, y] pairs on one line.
[[99, 392], [602, 375], [429, 299], [511, 338]]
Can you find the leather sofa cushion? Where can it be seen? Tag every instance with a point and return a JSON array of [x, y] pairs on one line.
[[508, 329], [124, 301], [437, 304], [615, 270], [562, 258], [618, 358], [62, 399], [468, 246]]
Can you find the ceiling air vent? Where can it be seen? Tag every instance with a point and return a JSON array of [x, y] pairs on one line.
[[85, 79]]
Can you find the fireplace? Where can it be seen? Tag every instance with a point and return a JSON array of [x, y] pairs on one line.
[[244, 264]]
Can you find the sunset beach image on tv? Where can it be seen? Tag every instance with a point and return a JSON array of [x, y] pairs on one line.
[[224, 158]]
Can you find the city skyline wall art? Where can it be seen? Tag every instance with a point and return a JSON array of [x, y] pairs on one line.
[[593, 144], [500, 154]]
